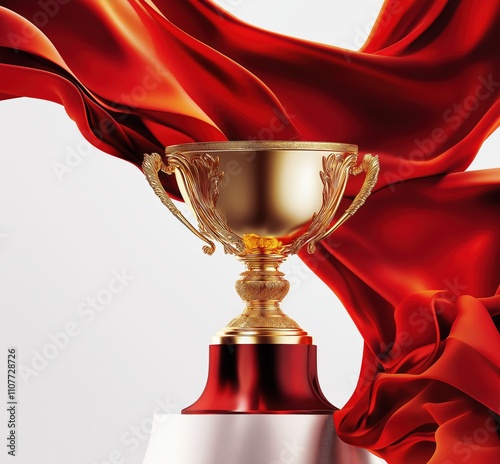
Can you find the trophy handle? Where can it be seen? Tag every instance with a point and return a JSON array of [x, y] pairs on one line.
[[370, 165], [151, 165]]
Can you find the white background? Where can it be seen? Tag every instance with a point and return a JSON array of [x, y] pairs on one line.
[[64, 237]]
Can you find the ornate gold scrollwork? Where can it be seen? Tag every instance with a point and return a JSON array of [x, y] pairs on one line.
[[336, 170], [151, 165], [200, 175]]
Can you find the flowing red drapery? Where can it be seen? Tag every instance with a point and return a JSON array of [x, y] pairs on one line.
[[419, 266]]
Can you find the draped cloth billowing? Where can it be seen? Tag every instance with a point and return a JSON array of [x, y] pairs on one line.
[[418, 267]]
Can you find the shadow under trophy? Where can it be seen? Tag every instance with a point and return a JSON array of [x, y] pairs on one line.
[[262, 382]]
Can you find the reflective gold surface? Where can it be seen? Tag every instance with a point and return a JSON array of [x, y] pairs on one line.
[[262, 201], [262, 287], [238, 145], [268, 191]]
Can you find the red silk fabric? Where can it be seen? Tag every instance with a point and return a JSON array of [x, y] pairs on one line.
[[418, 266]]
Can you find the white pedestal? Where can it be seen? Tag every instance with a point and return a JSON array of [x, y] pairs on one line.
[[249, 439]]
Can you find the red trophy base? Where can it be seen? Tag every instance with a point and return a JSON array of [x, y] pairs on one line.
[[262, 379]]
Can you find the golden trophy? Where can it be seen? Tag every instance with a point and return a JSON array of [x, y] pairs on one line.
[[262, 201]]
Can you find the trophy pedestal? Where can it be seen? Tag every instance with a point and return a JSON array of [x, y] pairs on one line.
[[262, 405], [262, 379], [249, 439]]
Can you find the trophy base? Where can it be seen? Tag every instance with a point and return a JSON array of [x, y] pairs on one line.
[[262, 379], [249, 439]]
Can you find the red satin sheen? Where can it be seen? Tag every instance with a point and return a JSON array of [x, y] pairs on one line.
[[423, 93], [435, 369]]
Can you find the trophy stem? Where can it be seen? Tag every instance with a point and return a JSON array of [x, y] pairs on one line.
[[262, 287]]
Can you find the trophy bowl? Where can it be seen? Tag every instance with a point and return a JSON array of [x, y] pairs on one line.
[[269, 189], [262, 201]]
